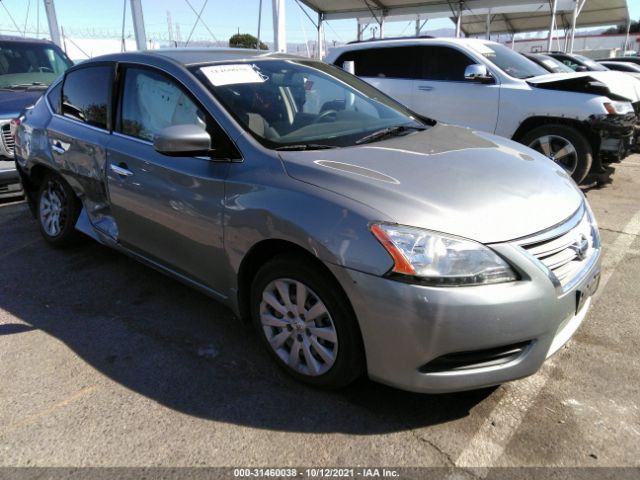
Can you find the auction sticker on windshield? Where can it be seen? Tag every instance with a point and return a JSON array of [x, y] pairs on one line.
[[232, 74]]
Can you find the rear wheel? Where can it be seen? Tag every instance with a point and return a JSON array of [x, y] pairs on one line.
[[564, 145], [58, 210], [305, 322]]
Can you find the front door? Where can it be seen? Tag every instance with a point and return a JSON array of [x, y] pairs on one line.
[[168, 209], [442, 93]]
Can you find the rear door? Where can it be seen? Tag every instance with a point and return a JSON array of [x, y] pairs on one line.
[[441, 92], [78, 134], [390, 69], [168, 209]]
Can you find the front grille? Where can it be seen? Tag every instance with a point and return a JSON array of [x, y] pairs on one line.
[[566, 253], [7, 139]]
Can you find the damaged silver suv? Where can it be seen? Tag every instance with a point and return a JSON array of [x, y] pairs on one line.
[[356, 236]]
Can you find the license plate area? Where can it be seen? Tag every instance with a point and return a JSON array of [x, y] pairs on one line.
[[586, 291]]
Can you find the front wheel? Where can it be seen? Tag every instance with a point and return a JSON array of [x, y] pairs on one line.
[[305, 322], [564, 145], [58, 210]]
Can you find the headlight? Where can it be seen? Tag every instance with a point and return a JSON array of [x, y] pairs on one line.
[[618, 108], [437, 259]]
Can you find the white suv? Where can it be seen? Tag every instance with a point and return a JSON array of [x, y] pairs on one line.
[[572, 118]]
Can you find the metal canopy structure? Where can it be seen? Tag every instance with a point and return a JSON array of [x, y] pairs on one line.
[[594, 13], [482, 17]]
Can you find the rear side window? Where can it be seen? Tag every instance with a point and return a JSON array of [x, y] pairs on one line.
[[390, 62], [86, 93], [444, 63], [54, 96]]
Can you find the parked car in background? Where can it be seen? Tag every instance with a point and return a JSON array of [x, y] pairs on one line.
[[626, 59], [27, 68], [629, 68], [354, 234], [578, 63], [550, 64], [572, 119]]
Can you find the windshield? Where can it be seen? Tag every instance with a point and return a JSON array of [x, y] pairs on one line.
[[554, 65], [304, 103], [26, 65], [510, 62], [591, 64]]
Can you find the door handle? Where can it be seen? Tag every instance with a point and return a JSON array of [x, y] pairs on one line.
[[58, 147], [426, 88], [121, 170]]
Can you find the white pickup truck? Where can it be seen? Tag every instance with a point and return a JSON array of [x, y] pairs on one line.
[[575, 119]]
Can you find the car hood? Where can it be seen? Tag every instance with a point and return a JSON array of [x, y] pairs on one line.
[[448, 179], [12, 103], [616, 83]]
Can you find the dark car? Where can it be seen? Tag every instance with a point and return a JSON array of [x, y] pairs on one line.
[[578, 63], [550, 64], [27, 68]]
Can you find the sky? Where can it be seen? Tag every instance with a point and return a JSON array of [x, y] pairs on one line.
[[103, 19]]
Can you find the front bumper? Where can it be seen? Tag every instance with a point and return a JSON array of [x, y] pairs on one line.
[[406, 328], [618, 135]]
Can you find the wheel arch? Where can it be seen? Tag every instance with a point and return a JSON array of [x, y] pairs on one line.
[[539, 121], [259, 255]]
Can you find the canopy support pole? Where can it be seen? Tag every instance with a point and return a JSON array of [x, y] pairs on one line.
[[320, 49], [279, 31], [459, 21], [552, 25], [626, 38], [52, 19], [138, 25], [259, 25], [488, 26]]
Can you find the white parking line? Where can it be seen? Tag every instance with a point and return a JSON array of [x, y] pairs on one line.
[[489, 442]]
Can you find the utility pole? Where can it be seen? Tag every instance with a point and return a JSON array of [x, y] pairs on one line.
[[52, 19], [170, 27], [178, 35], [138, 25]]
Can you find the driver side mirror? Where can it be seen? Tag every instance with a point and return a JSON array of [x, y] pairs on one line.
[[477, 73], [182, 140]]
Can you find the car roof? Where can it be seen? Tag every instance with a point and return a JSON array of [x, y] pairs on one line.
[[412, 41], [198, 56], [25, 40]]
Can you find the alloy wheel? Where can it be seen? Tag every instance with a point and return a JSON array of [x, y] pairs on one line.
[[558, 149], [298, 327], [52, 208]]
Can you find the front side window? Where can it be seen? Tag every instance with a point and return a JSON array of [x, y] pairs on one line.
[[288, 103], [507, 60], [86, 93], [152, 101], [25, 65], [444, 63]]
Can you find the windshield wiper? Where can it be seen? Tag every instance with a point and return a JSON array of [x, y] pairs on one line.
[[305, 146], [389, 132]]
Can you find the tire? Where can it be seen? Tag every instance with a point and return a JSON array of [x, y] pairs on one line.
[[553, 139], [324, 351], [57, 211]]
